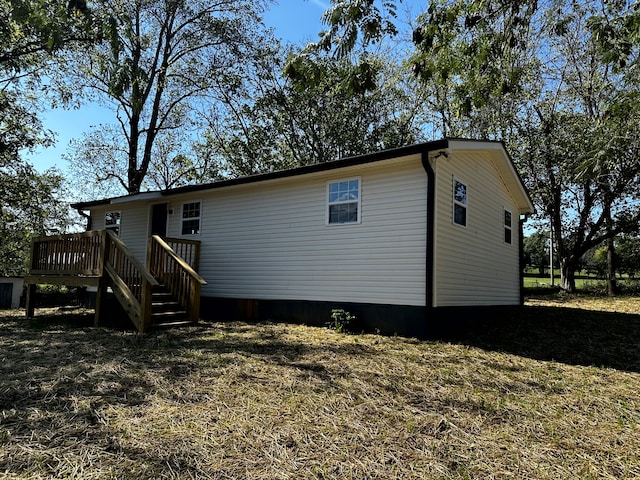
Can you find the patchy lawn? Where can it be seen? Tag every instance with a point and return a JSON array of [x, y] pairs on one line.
[[549, 391]]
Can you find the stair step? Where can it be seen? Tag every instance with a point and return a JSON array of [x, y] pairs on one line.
[[161, 295], [181, 323], [163, 306], [168, 313]]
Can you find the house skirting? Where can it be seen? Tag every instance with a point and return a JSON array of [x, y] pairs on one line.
[[403, 320]]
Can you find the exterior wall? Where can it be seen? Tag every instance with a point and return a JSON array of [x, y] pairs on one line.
[[473, 264], [134, 225], [269, 240], [16, 287]]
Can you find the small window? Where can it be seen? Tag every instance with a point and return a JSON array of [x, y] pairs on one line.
[[191, 218], [343, 204], [507, 227], [112, 222], [459, 203]]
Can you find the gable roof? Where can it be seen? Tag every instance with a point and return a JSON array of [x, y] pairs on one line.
[[501, 158]]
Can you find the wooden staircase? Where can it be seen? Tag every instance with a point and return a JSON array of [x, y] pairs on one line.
[[165, 293], [166, 311]]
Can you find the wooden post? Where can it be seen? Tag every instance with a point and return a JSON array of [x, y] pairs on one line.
[[145, 306], [101, 294], [102, 252], [30, 301], [101, 297], [151, 267], [194, 302], [196, 257]]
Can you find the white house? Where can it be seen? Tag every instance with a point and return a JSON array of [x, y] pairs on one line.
[[395, 237]]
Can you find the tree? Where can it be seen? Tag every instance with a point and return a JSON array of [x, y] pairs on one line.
[[628, 249], [31, 29], [581, 160], [176, 160], [160, 62], [536, 250], [595, 261], [31, 32], [304, 108], [30, 205]]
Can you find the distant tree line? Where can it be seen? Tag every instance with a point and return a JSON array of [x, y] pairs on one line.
[[594, 262]]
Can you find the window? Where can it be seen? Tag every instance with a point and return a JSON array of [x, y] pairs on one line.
[[191, 218], [459, 203], [112, 222], [343, 204], [507, 226]]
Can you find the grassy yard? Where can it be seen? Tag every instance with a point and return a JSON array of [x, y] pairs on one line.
[[583, 282], [550, 391]]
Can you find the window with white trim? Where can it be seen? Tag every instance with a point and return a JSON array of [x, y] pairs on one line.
[[191, 218], [343, 201], [112, 222], [507, 227], [459, 203]]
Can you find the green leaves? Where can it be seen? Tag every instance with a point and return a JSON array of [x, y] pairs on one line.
[[617, 32], [30, 205], [353, 20], [32, 28], [475, 46]]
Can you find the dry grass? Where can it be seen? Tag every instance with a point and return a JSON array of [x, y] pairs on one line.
[[554, 394]]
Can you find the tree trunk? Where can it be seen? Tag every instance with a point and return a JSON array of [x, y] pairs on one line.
[[567, 276], [612, 286]]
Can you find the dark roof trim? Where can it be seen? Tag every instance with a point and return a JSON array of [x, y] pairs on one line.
[[317, 167]]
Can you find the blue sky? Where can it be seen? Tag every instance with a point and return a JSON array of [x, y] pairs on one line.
[[295, 21]]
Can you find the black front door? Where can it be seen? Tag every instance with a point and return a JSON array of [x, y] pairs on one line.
[[159, 219]]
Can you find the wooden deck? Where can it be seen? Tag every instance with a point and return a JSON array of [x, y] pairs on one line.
[[101, 259]]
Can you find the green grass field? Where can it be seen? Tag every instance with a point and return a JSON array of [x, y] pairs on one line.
[[583, 281]]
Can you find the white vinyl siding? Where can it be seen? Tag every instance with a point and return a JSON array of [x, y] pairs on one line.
[[473, 265], [134, 225], [269, 240]]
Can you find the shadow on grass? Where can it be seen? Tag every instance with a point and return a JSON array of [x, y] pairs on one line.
[[568, 335], [60, 377]]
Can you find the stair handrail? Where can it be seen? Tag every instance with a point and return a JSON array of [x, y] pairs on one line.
[[186, 291], [134, 297], [187, 249], [187, 268]]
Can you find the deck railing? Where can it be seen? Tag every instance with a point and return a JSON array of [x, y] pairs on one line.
[[75, 254], [176, 274]]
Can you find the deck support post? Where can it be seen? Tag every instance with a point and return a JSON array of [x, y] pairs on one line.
[[101, 294], [101, 297], [30, 300]]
